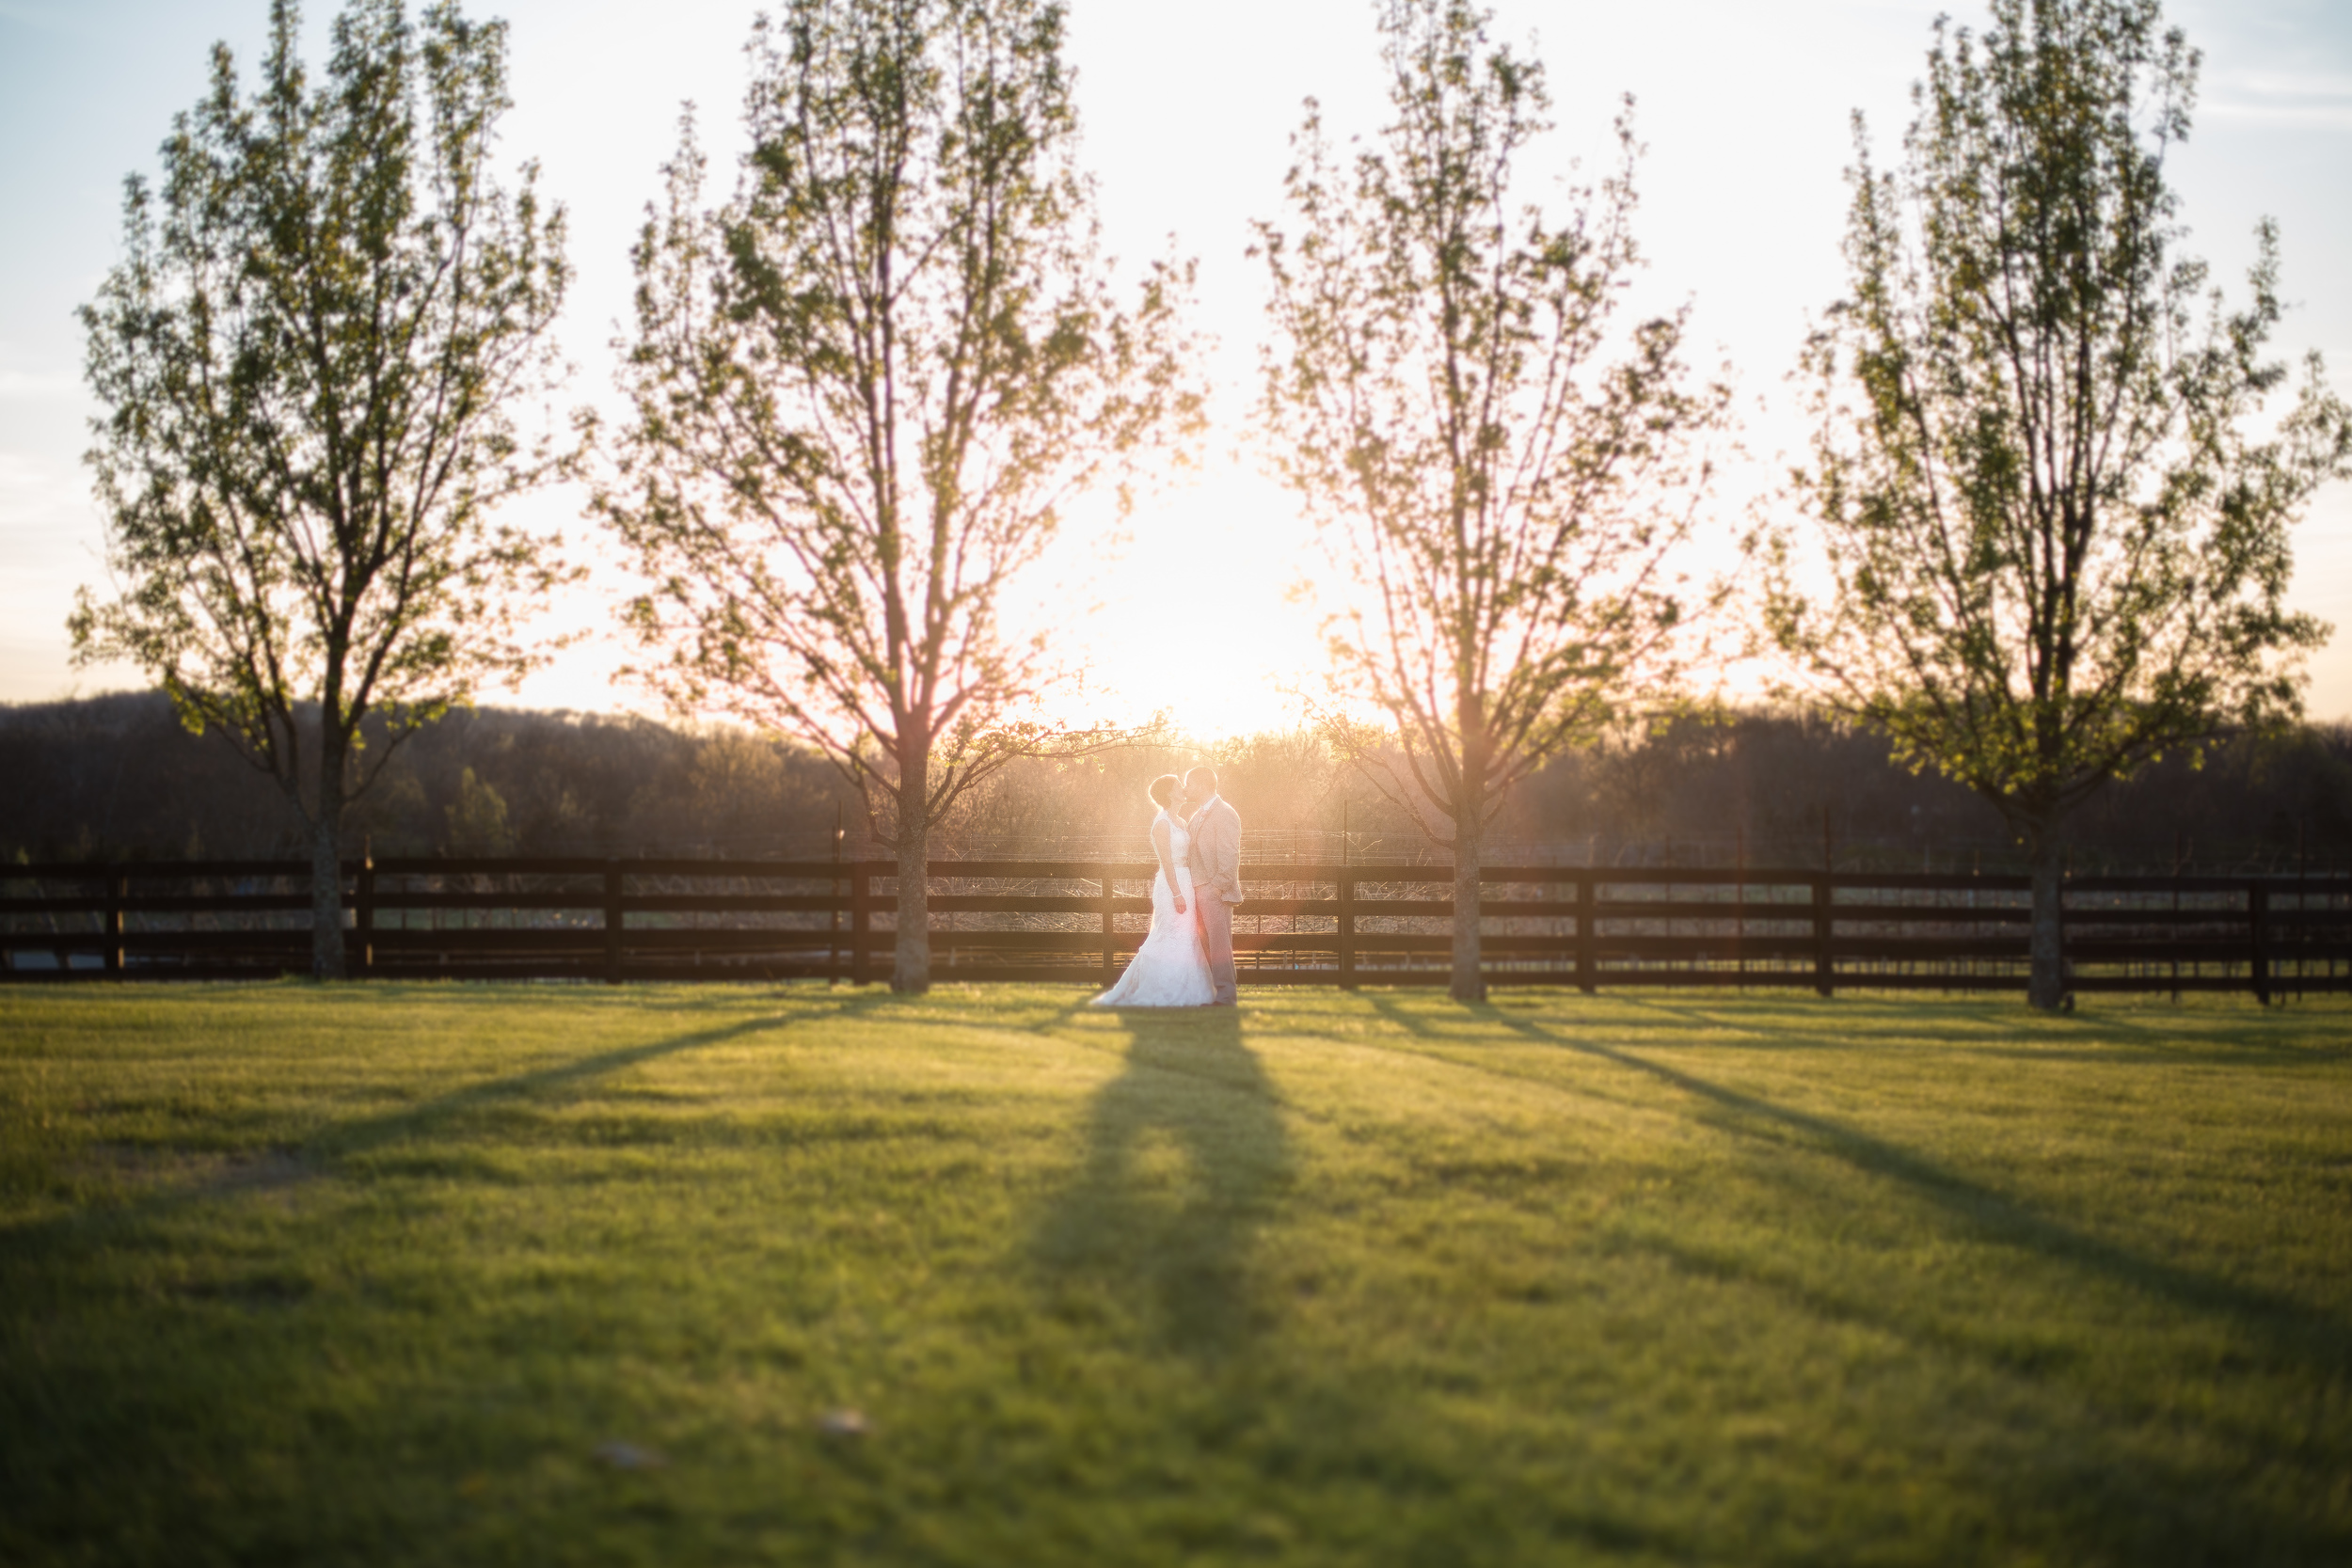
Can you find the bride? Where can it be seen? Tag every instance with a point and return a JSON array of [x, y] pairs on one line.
[[1169, 970]]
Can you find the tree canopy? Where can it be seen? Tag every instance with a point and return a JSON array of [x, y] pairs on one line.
[[866, 389], [309, 363], [1497, 460], [2052, 515]]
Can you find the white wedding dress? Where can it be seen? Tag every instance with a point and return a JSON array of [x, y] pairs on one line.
[[1169, 970]]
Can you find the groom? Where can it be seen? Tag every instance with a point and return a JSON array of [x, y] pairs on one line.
[[1215, 859]]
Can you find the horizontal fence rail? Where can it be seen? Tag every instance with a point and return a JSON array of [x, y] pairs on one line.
[[614, 920]]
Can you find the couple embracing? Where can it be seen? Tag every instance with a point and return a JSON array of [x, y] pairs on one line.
[[1187, 960]]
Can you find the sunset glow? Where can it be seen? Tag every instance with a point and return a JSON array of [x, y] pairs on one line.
[[1191, 619], [1743, 108]]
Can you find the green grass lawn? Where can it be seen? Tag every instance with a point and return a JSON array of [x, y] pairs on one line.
[[357, 1275]]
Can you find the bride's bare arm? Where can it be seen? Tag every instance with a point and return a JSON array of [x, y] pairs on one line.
[[1161, 840]]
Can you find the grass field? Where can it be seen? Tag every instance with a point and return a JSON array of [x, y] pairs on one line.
[[383, 1275]]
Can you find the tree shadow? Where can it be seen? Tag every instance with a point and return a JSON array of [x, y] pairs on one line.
[[316, 1154], [1392, 1011], [2167, 1508], [1184, 1158], [367, 1133], [980, 1004], [2088, 1486], [2294, 1332], [1972, 1025]]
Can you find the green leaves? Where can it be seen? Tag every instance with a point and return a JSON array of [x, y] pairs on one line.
[[867, 386], [309, 360], [1498, 463], [2055, 548]]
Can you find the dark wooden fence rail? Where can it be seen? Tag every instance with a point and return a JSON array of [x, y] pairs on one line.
[[1045, 920]]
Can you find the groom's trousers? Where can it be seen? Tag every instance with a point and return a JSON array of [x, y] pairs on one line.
[[1216, 937]]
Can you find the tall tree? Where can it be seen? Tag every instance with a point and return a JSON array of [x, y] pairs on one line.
[[866, 387], [1497, 461], [2053, 529], [309, 360]]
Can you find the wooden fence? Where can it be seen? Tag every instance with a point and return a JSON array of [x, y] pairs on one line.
[[615, 919]]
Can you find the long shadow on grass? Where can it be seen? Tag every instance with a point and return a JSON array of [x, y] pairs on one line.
[[2165, 1511], [357, 1136], [89, 1225], [1999, 1027], [2295, 1332], [2094, 1500], [1185, 1156], [2003, 1028]]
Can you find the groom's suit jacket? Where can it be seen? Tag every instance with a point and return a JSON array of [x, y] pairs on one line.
[[1215, 853]]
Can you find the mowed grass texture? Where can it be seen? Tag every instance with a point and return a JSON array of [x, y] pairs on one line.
[[382, 1274]]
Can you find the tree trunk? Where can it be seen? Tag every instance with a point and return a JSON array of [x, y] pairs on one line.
[[326, 867], [2046, 988], [912, 970], [1469, 984]]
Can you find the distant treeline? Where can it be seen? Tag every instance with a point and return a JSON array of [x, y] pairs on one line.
[[117, 777]]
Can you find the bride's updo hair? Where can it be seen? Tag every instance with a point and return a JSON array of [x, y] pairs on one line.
[[1164, 789]]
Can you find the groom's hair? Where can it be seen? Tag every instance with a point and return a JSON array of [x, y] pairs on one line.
[[1206, 774], [1163, 790]]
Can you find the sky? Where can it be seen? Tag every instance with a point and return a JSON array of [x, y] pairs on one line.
[[1188, 111]]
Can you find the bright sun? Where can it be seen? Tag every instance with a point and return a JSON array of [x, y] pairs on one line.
[[1195, 619]]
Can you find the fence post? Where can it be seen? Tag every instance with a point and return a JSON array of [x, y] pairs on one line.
[[1345, 935], [833, 928], [1739, 909], [118, 889], [2257, 923], [1587, 934], [832, 915], [1110, 934], [1824, 963], [860, 912], [364, 916], [613, 922]]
